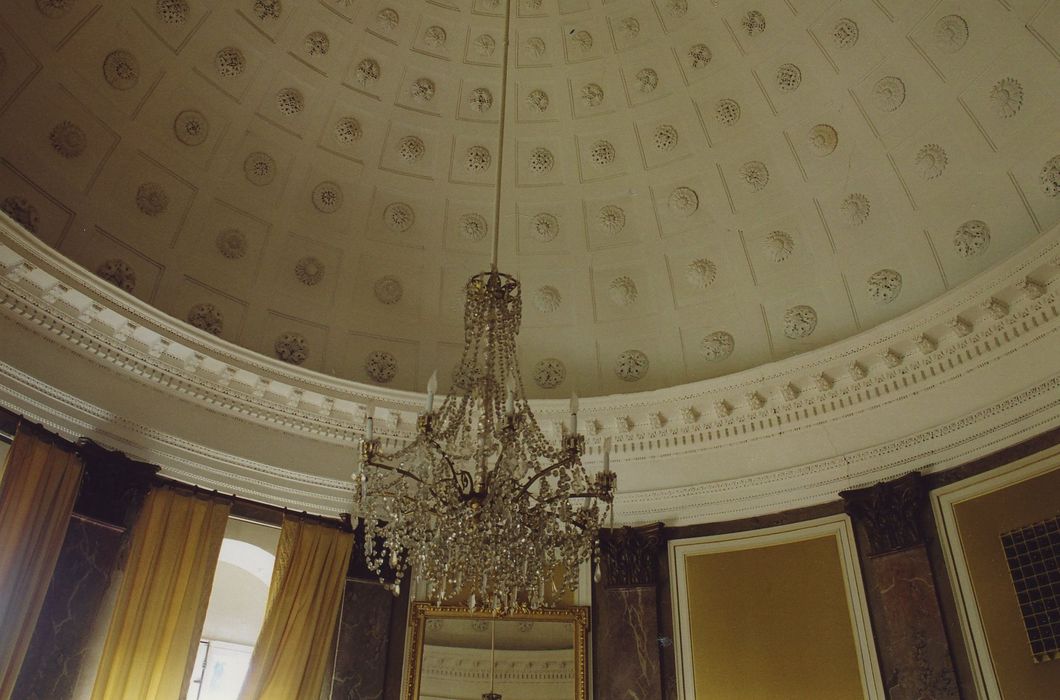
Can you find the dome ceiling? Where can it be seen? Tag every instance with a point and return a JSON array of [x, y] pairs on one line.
[[691, 188]]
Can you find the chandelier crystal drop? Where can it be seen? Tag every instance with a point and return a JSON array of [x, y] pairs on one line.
[[481, 505]]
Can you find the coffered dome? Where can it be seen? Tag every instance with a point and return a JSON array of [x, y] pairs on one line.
[[691, 188]]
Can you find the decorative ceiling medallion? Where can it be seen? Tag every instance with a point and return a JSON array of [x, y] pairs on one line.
[[544, 227], [151, 199], [485, 45], [789, 77], [531, 5], [481, 99], [53, 9], [753, 23], [381, 366], [622, 291], [602, 153], [388, 290], [592, 95], [647, 80], [119, 273], [232, 244], [206, 317], [411, 149], [1007, 96], [1050, 177], [387, 20], [951, 33], [677, 8], [823, 139], [699, 55], [172, 11], [856, 208], [316, 44], [537, 100], [845, 33], [327, 197], [368, 72], [631, 365], [717, 346], [348, 130], [422, 90], [547, 299], [191, 128], [477, 159], [630, 27], [291, 348], [434, 37], [701, 273], [888, 93], [267, 10], [884, 285], [611, 219], [541, 160], [309, 271], [583, 40], [799, 321], [684, 201], [399, 217], [931, 161], [549, 373], [22, 212], [755, 174], [289, 101], [259, 168], [121, 70], [535, 46], [727, 111], [778, 246], [971, 239], [68, 139], [229, 62], [473, 227]]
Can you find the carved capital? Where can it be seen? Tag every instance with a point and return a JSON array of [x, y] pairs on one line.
[[631, 556], [113, 486], [889, 512]]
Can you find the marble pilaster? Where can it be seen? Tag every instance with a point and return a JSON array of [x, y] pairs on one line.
[[911, 641]]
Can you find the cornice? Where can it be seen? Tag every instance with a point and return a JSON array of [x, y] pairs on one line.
[[1002, 311]]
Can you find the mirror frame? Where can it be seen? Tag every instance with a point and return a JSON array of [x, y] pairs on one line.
[[578, 616]]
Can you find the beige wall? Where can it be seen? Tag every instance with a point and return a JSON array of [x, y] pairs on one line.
[[772, 622], [980, 522]]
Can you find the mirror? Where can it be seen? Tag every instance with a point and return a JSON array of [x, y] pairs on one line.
[[537, 655]]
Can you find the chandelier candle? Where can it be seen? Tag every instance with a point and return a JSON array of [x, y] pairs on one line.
[[481, 504]]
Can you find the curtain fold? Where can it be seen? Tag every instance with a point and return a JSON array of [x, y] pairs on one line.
[[40, 483], [291, 655], [161, 604]]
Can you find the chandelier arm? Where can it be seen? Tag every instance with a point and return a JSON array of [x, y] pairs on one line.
[[565, 462], [399, 470]]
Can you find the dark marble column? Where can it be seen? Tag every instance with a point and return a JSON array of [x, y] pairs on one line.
[[370, 644], [112, 490], [914, 651], [626, 616]]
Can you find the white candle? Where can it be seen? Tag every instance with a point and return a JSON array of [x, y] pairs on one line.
[[368, 426], [573, 413], [607, 454], [432, 386]]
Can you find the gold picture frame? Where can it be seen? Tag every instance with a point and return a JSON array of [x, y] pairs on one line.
[[577, 616]]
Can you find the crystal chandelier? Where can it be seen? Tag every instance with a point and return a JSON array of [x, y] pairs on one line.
[[481, 504]]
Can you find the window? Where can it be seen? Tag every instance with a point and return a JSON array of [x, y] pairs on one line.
[[236, 612]]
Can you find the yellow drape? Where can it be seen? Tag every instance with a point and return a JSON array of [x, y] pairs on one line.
[[162, 601], [39, 486], [305, 595]]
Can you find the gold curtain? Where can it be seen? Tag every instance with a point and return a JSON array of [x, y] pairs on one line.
[[40, 483], [162, 601], [305, 595]]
